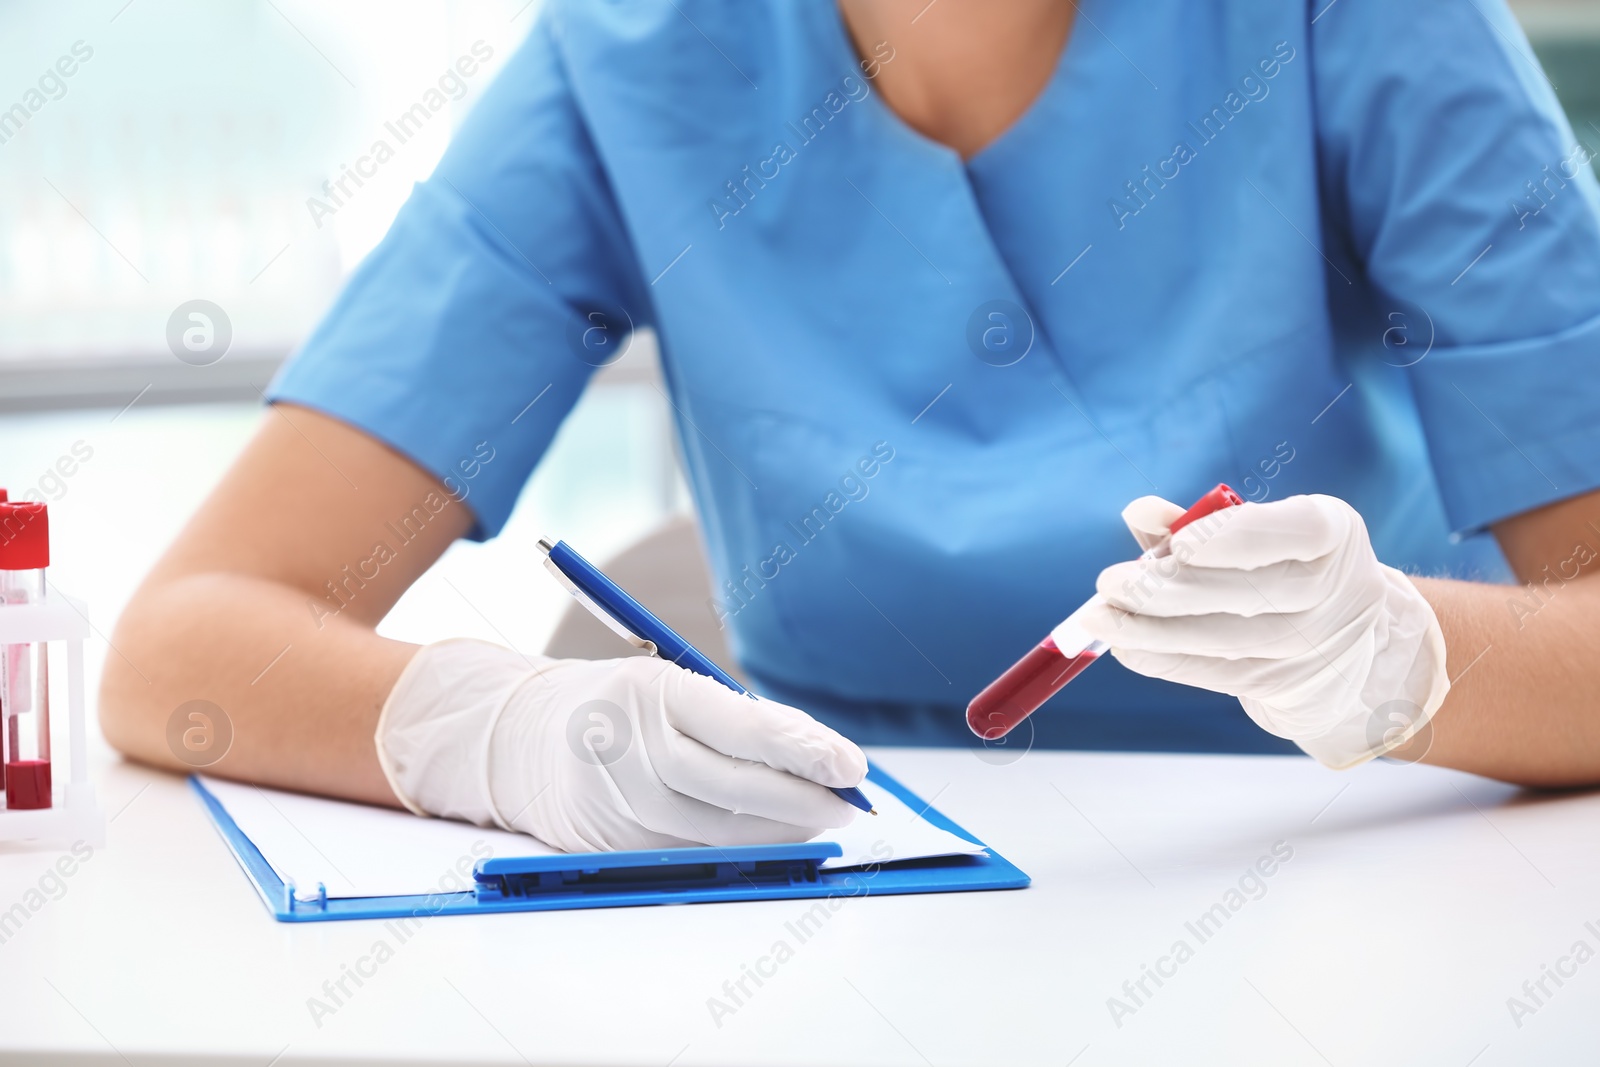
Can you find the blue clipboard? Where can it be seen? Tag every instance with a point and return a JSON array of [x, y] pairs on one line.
[[629, 879]]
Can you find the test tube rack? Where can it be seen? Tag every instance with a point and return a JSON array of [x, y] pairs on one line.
[[74, 814]]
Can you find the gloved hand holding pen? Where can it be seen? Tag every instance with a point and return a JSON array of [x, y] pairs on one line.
[[591, 755], [1285, 606]]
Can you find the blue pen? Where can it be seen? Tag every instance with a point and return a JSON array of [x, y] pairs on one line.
[[633, 622]]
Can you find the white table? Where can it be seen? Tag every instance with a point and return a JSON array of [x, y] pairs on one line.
[[1415, 902]]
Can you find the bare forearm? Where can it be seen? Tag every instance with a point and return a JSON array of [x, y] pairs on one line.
[[301, 689], [265, 605], [1525, 670]]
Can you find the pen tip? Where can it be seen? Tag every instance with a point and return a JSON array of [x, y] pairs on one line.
[[872, 811]]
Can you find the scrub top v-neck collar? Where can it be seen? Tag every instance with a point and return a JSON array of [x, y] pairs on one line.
[[984, 173], [844, 45]]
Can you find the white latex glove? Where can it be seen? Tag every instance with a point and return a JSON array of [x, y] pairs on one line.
[[590, 755], [1285, 606]]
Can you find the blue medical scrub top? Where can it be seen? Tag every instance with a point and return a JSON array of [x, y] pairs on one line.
[[1348, 248]]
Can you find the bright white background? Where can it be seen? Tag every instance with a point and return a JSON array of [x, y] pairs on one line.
[[178, 161]]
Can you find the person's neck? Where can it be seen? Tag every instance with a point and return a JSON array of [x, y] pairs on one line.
[[963, 70]]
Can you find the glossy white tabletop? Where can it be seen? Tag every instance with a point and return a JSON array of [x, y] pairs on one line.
[[1405, 906]]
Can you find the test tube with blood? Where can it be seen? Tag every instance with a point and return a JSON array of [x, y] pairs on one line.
[[25, 668], [1067, 650]]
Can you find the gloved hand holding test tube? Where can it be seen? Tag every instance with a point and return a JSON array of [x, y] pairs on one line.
[[1067, 650]]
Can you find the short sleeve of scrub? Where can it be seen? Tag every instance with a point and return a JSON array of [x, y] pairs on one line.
[[1473, 206], [484, 295]]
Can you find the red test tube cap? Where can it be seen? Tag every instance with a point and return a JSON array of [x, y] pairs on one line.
[[24, 536], [1218, 498]]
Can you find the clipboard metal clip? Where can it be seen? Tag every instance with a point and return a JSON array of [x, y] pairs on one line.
[[737, 870]]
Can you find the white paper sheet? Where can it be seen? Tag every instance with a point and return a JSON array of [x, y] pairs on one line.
[[361, 851]]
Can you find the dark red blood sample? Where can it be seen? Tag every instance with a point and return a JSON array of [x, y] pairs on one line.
[[28, 783], [1020, 691]]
